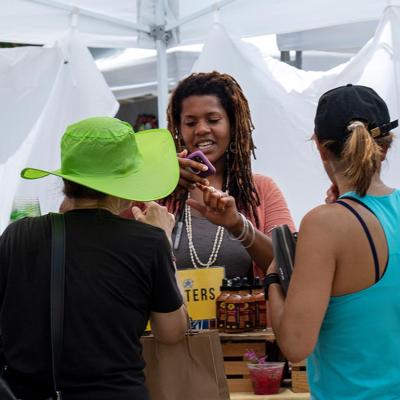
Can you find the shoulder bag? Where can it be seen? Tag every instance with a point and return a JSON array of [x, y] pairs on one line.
[[56, 304]]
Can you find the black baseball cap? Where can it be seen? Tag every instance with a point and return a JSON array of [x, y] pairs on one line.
[[337, 107]]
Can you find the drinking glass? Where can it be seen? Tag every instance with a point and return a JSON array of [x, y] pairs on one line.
[[266, 378], [25, 207]]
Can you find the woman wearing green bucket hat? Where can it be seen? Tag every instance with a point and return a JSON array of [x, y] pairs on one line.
[[119, 273]]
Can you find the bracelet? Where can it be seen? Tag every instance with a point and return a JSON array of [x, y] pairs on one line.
[[244, 231], [247, 227], [253, 235], [270, 279]]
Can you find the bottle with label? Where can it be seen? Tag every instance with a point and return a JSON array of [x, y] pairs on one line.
[[246, 309], [232, 305], [260, 314], [221, 305]]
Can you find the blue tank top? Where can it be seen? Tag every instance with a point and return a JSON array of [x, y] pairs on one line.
[[357, 355]]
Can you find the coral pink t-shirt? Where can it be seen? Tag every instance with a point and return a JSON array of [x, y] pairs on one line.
[[272, 211]]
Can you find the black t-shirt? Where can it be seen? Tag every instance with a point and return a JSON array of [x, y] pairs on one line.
[[117, 271]]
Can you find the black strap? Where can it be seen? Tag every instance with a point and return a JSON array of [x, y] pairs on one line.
[[366, 230], [57, 293], [358, 201], [384, 129]]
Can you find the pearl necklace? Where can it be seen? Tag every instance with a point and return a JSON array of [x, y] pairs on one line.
[[192, 251]]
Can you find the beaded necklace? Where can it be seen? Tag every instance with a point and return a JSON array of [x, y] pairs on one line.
[[197, 263]]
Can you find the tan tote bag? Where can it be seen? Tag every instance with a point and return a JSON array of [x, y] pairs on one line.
[[191, 369]]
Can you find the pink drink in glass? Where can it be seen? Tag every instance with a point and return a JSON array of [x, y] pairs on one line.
[[266, 378]]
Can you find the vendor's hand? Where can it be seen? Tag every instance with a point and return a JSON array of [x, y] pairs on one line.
[[332, 194], [219, 208], [155, 215], [188, 179]]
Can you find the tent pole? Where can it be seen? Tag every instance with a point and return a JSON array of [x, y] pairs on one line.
[[161, 39], [162, 82]]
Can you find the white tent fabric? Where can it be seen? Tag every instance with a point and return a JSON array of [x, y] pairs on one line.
[[148, 23], [345, 37], [42, 21], [137, 78], [42, 90], [104, 23], [283, 102], [260, 17], [129, 77]]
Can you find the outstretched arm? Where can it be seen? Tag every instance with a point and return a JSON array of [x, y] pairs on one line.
[[220, 209], [297, 320]]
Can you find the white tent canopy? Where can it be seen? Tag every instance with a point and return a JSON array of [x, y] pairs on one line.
[[137, 77], [130, 73], [346, 37], [163, 23], [104, 23]]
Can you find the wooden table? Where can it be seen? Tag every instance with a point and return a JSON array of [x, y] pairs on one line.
[[266, 334], [284, 394]]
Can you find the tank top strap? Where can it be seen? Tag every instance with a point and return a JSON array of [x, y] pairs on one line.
[[359, 202], [366, 230]]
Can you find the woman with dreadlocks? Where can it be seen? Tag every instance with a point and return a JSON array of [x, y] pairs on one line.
[[209, 112]]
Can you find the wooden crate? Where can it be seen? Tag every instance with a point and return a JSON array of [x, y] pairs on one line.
[[299, 378], [233, 348]]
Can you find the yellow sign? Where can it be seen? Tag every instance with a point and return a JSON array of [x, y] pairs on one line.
[[200, 289]]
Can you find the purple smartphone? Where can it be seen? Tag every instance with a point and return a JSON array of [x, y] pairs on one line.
[[199, 156]]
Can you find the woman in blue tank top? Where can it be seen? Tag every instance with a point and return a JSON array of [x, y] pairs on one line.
[[342, 310]]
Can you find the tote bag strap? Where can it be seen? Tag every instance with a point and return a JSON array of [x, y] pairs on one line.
[[57, 282]]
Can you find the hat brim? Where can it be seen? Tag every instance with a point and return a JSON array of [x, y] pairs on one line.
[[156, 178]]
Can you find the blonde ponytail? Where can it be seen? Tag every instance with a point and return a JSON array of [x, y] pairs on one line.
[[363, 157]]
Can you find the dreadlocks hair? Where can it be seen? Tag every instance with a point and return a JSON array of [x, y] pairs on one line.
[[238, 169]]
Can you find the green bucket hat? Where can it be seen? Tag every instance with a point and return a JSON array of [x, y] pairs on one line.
[[105, 154]]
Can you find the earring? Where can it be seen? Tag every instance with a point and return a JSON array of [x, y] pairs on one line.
[[232, 147], [227, 166]]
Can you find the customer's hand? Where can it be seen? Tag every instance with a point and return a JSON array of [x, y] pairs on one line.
[[156, 215], [332, 194], [219, 208], [66, 205], [187, 179]]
